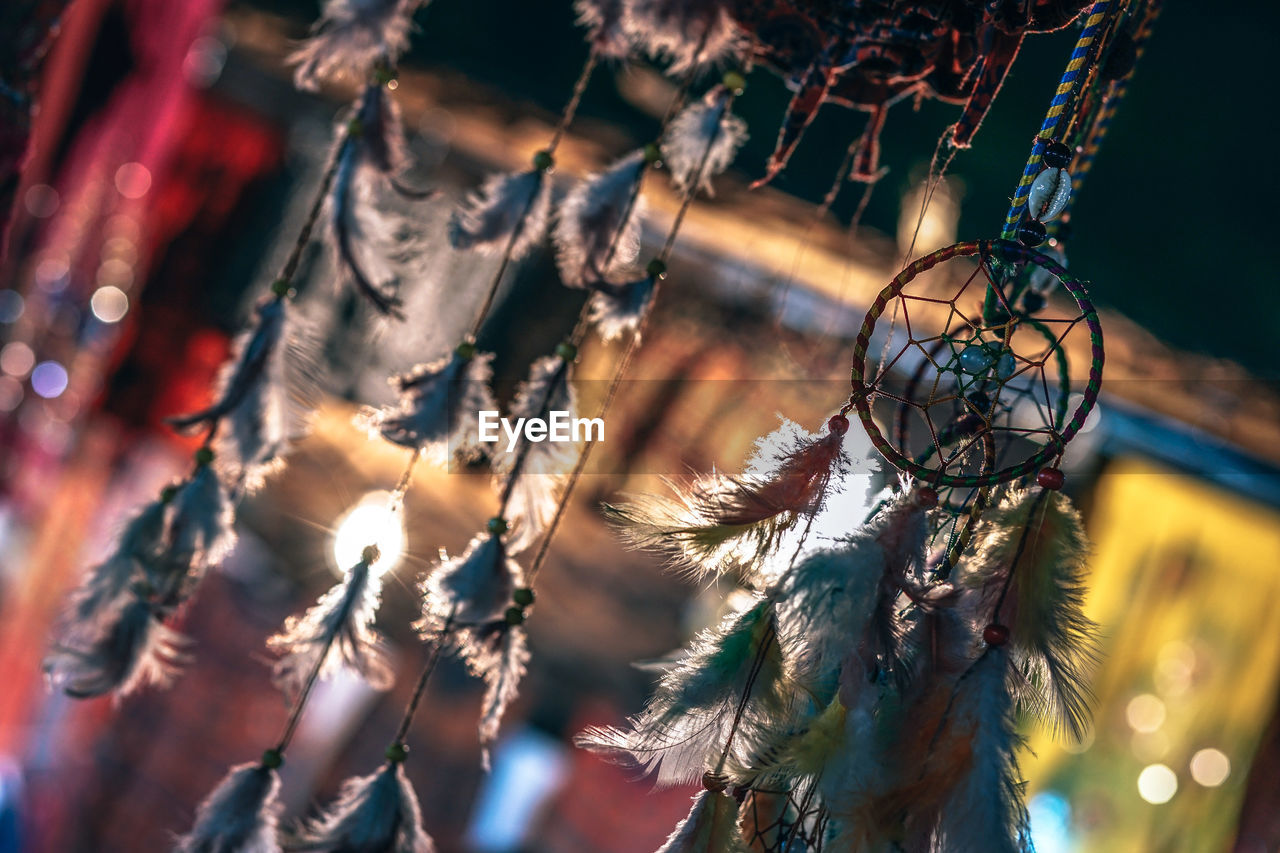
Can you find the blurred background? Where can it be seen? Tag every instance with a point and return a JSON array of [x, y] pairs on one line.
[[172, 162]]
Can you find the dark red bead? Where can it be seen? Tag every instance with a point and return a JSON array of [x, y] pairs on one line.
[[713, 782], [926, 496], [1032, 233], [1050, 478], [1057, 155], [995, 635], [838, 424]]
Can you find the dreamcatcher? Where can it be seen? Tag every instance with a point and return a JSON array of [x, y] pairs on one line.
[[864, 698], [862, 694]]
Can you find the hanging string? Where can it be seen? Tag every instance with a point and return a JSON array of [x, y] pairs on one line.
[[657, 268], [1097, 127], [544, 160]]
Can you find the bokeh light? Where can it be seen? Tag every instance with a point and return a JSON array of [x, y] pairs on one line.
[[372, 521], [1210, 767], [17, 359], [133, 180], [1157, 784], [49, 379], [1145, 713], [109, 304], [11, 305]]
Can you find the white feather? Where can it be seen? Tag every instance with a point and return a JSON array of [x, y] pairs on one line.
[[675, 29], [516, 204], [238, 816], [474, 588], [438, 411], [351, 37], [710, 827], [378, 812], [616, 310], [501, 661], [702, 141], [136, 548], [597, 232], [200, 533], [984, 812], [336, 633], [123, 648], [603, 20]]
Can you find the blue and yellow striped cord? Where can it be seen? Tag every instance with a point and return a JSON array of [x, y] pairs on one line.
[[1101, 122], [1070, 77]]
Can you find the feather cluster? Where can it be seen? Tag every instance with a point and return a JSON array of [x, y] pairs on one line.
[[539, 468], [719, 523], [702, 141], [378, 812], [889, 695], [263, 397], [351, 38], [597, 232], [468, 596], [1034, 542], [114, 639], [439, 407], [617, 309], [239, 816], [337, 633], [510, 210], [687, 32]]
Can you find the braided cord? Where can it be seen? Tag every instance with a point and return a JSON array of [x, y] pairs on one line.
[[1094, 21], [1101, 123]]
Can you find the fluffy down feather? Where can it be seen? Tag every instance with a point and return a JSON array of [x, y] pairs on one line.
[[603, 22], [473, 589], [238, 816], [597, 231], [688, 32], [702, 141], [438, 409], [124, 648], [200, 533], [136, 548], [616, 309], [350, 38], [508, 210], [336, 633], [378, 813]]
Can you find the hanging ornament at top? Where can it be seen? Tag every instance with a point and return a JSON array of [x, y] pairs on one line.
[[870, 56]]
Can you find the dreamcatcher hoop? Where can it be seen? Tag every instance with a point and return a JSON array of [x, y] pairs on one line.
[[1015, 255]]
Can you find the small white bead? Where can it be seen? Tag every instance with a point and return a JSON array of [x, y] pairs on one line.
[[1049, 194]]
